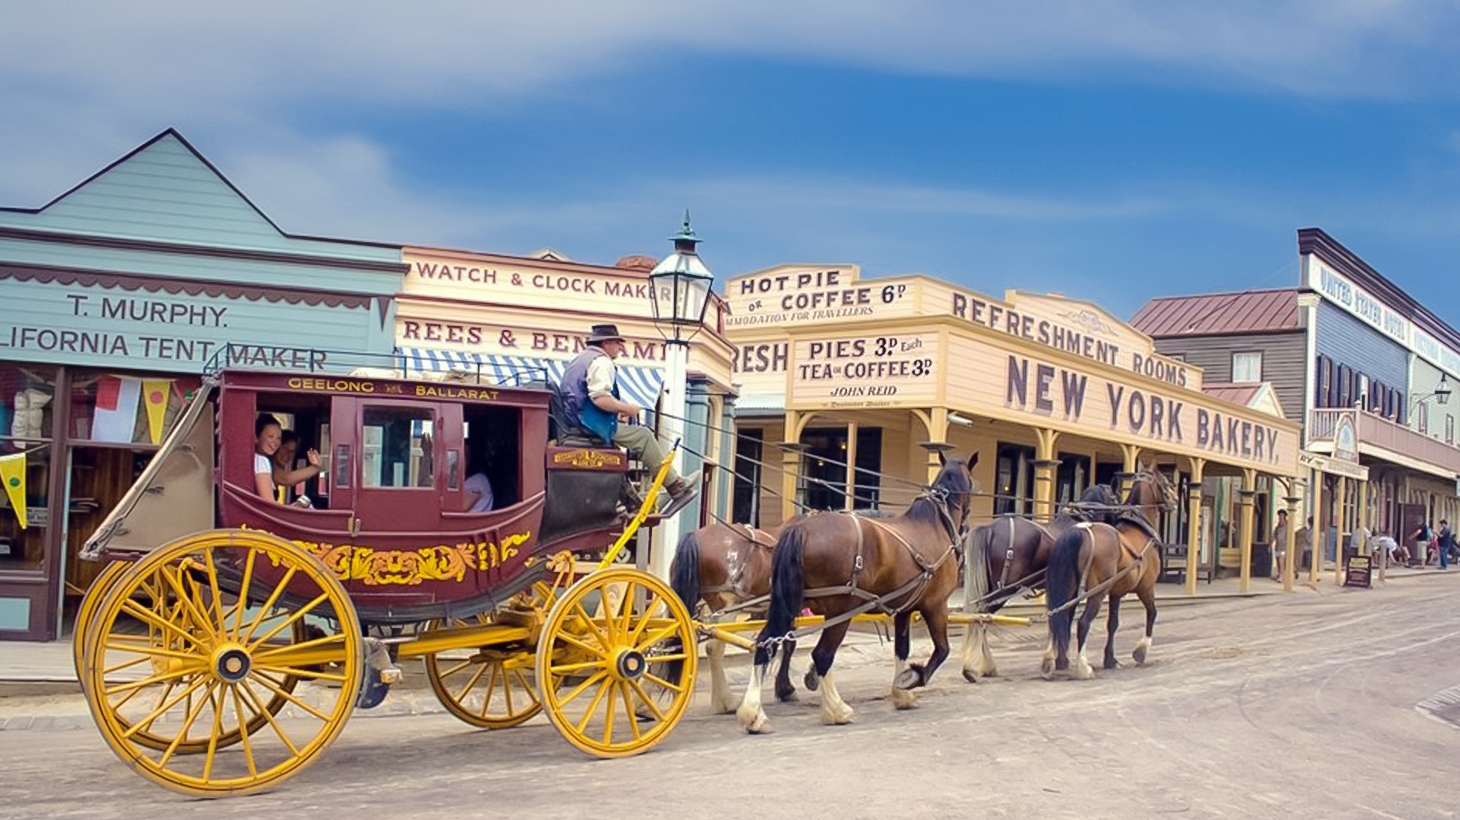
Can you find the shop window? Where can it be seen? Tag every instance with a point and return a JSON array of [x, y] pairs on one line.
[[1345, 383], [825, 473], [27, 404], [749, 446], [396, 449], [1246, 367]]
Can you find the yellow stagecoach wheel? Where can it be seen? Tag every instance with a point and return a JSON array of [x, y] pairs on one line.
[[89, 602], [616, 662], [204, 673], [489, 686]]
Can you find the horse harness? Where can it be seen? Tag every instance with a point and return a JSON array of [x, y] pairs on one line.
[[759, 539], [912, 589]]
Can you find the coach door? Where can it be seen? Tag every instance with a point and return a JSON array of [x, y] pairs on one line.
[[393, 461]]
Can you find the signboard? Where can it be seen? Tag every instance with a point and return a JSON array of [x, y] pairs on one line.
[[1360, 572], [547, 284], [1031, 390], [864, 371], [825, 294], [1345, 439], [1332, 466], [1337, 288]]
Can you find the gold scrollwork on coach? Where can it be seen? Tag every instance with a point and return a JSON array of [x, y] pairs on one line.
[[444, 562], [588, 458]]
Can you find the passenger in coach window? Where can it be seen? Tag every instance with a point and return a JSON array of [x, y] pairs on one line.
[[268, 478]]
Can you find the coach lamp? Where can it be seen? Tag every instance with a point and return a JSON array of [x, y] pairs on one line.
[[679, 292]]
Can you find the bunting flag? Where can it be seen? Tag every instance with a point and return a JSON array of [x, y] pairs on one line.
[[12, 473], [116, 408], [154, 393]]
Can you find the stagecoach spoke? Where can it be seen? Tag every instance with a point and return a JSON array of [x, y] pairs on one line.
[[268, 605], [593, 650], [476, 675], [216, 697], [243, 734], [165, 707], [187, 726], [282, 653], [217, 594], [457, 668], [661, 635], [648, 617], [262, 709], [593, 706], [199, 621], [569, 668], [289, 696], [664, 683], [526, 686], [312, 674], [243, 594], [289, 621], [160, 677], [582, 687], [612, 689], [605, 645], [646, 700], [152, 619]]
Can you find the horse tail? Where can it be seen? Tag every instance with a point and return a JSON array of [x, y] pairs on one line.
[[1062, 585], [684, 579], [980, 543], [788, 590]]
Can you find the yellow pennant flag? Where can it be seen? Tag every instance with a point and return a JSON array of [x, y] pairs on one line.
[[12, 473], [154, 392]]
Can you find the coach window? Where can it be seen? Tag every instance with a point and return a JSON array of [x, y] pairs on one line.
[[397, 448]]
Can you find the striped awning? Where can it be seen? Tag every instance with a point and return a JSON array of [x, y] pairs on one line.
[[638, 384]]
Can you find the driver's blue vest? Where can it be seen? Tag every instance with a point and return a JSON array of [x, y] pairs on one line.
[[579, 408]]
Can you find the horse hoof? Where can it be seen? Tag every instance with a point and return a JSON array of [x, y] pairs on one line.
[[788, 696], [903, 699], [754, 723], [1112, 663], [840, 717], [1046, 666], [910, 678], [1139, 655], [812, 680], [971, 676]]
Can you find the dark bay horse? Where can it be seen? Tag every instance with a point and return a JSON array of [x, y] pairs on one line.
[[1015, 553], [1108, 561], [840, 563], [724, 565]]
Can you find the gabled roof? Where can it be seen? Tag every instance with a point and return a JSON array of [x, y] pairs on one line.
[[1210, 314], [1256, 396]]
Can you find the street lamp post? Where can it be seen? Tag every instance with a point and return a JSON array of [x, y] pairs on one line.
[[679, 288]]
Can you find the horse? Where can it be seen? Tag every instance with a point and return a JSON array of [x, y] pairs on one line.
[[843, 564], [1014, 552], [725, 565], [1106, 560]]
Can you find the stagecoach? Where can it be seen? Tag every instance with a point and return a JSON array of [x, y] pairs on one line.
[[230, 637]]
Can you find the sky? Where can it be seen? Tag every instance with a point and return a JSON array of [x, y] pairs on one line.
[[1110, 150]]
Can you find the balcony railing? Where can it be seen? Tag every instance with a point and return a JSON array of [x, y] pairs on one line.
[[1375, 430]]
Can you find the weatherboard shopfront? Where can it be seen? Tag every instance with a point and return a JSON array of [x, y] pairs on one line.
[[1054, 394], [103, 339], [519, 320]]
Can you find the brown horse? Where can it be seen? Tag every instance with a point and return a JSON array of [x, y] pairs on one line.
[[724, 565], [841, 564], [1009, 555], [1104, 560]]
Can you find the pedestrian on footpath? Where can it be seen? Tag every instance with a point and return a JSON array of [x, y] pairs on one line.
[[1447, 543], [1280, 545]]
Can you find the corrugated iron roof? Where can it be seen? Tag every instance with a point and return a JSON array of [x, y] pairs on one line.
[[1213, 313], [1235, 393]]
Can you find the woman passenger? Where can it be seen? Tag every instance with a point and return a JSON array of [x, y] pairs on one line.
[[268, 477]]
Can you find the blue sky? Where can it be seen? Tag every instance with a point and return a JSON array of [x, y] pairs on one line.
[[1107, 149]]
